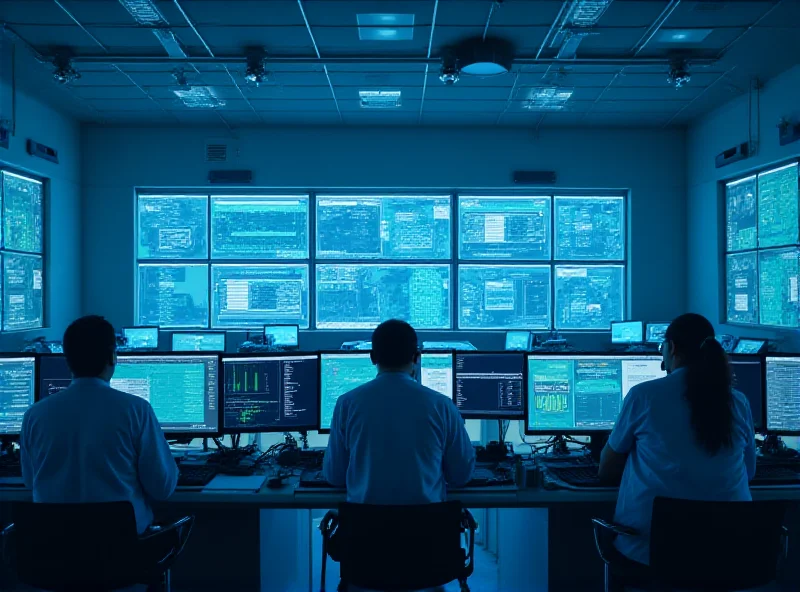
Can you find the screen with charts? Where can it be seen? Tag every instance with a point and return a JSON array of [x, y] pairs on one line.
[[503, 297], [258, 295], [383, 227], [748, 379], [141, 337], [23, 286], [173, 227], [513, 228], [22, 213], [54, 375], [281, 335], [741, 220], [783, 394], [627, 332], [17, 386], [589, 297], [339, 374], [173, 295], [436, 372], [583, 393], [777, 287], [182, 389], [198, 341], [742, 288], [259, 227], [489, 385], [590, 228], [778, 216], [363, 296], [518, 340], [270, 393]]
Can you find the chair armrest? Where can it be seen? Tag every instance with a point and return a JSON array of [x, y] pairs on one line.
[[469, 525], [173, 536], [8, 530], [614, 528], [604, 535], [329, 523], [5, 541]]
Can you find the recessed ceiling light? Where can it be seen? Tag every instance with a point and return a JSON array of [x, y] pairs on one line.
[[552, 98], [199, 97], [682, 35], [385, 27], [380, 99]]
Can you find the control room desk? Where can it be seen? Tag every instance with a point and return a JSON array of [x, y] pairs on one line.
[[267, 541]]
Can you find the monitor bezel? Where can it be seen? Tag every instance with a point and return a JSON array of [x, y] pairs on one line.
[[198, 332], [175, 435], [273, 430], [762, 358], [296, 330], [342, 352], [582, 431], [158, 337], [739, 340], [39, 358], [645, 331], [499, 416], [640, 342], [9, 437], [767, 430], [527, 347]]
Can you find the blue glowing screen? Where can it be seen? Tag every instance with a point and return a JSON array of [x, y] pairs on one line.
[[589, 297], [627, 332], [514, 228], [200, 341], [22, 213], [17, 382], [777, 287], [503, 297], [23, 286], [741, 221], [141, 337], [363, 296], [173, 295], [778, 207], [173, 227], [742, 288], [590, 228], [281, 335]]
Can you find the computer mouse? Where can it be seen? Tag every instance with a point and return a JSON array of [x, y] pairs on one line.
[[274, 483]]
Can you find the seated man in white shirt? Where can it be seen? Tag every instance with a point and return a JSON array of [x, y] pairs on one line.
[[91, 443]]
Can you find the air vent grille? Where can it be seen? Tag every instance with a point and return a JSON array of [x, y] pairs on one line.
[[216, 152]]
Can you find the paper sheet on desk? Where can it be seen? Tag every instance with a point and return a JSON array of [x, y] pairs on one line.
[[239, 484]]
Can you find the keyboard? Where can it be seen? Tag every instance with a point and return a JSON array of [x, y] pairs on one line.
[[776, 474], [579, 476], [196, 475], [482, 477]]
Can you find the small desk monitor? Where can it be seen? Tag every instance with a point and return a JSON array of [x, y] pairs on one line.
[[281, 335], [656, 332], [270, 393], [748, 378], [518, 340], [141, 338], [749, 346], [627, 332], [582, 394], [198, 341], [17, 387], [182, 388], [436, 372], [783, 395], [54, 375], [489, 385], [341, 372]]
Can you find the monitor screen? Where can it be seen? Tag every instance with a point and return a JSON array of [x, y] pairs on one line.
[[22, 213], [778, 217], [363, 296], [259, 227], [339, 374], [436, 372], [742, 288], [503, 297], [740, 214], [574, 393], [589, 296], [749, 346], [506, 228], [383, 227], [23, 286], [518, 340], [783, 394], [182, 389], [141, 337], [656, 332], [173, 295], [748, 378], [590, 228], [173, 227], [489, 385], [198, 341], [270, 393], [778, 271], [281, 335], [627, 332], [17, 386], [54, 375]]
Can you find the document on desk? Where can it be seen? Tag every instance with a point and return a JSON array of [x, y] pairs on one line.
[[231, 483]]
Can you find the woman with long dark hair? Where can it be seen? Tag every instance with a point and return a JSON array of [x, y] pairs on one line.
[[688, 435]]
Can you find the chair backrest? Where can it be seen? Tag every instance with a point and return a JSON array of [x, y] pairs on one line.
[[75, 546], [716, 545], [400, 547]]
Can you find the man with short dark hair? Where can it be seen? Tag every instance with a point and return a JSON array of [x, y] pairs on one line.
[[394, 441], [92, 443]]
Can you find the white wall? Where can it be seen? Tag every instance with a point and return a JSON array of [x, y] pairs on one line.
[[43, 123], [650, 163], [720, 130]]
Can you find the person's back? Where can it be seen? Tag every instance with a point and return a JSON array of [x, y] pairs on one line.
[[91, 443]]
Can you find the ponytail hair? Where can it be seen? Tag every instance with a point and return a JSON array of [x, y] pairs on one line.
[[708, 381]]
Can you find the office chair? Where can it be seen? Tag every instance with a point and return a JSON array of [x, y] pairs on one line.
[[391, 548], [701, 546], [91, 547]]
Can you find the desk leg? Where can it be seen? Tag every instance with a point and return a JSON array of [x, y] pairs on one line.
[[522, 549]]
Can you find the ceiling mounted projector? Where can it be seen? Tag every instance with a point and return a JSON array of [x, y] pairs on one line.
[[491, 57]]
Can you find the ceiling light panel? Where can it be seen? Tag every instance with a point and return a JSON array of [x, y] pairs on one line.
[[144, 12], [199, 97], [682, 36], [380, 99], [548, 98], [586, 13], [385, 27]]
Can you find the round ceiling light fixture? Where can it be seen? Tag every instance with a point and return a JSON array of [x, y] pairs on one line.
[[490, 57]]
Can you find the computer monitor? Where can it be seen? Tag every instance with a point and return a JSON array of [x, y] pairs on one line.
[[489, 385], [281, 335], [340, 372], [198, 341], [627, 332], [783, 394], [141, 338], [436, 372], [54, 375], [518, 340], [656, 332], [270, 393], [182, 388], [17, 386], [748, 378], [749, 346], [582, 394]]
